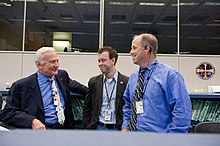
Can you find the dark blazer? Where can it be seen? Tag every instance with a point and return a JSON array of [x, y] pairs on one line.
[[93, 101], [24, 101]]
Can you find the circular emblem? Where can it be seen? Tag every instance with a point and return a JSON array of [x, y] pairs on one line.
[[205, 70]]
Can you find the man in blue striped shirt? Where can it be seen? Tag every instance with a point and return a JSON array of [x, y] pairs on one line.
[[164, 105]]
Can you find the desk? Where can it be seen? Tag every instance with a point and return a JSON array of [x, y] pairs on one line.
[[103, 138]]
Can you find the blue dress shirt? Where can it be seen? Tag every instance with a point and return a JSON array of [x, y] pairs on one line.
[[45, 85], [167, 105]]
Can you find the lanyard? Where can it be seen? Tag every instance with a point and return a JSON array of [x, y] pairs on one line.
[[149, 75], [109, 98]]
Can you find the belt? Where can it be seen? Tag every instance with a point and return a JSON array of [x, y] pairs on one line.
[[108, 126], [55, 126]]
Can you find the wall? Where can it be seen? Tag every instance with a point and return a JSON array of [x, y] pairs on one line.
[[82, 66]]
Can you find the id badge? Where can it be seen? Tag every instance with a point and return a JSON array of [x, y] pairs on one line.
[[139, 107], [108, 115]]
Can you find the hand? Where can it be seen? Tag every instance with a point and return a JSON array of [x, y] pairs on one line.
[[124, 129], [37, 125]]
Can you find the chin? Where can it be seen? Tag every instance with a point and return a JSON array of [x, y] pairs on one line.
[[55, 72], [134, 61]]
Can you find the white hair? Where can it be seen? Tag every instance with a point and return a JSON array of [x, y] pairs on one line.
[[41, 51]]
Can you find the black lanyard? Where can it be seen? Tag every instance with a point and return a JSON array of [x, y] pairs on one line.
[[109, 98], [149, 75]]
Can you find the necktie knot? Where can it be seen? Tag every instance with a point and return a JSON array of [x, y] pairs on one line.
[[51, 78], [142, 71]]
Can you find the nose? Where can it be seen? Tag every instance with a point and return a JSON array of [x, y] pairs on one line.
[[131, 51], [99, 63], [57, 64]]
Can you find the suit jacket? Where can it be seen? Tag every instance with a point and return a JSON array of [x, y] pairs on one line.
[[24, 102], [93, 101]]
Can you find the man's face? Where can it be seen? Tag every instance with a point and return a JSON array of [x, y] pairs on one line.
[[50, 64], [137, 51], [105, 63]]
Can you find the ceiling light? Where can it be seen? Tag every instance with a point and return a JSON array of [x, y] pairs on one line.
[[24, 0], [45, 20], [217, 20], [117, 35], [191, 24], [119, 22], [166, 24], [151, 4], [171, 36], [5, 4], [184, 52], [215, 38], [143, 23], [94, 22], [212, 24], [122, 3], [18, 20], [211, 4], [56, 1], [186, 4], [68, 21], [194, 37], [88, 2]]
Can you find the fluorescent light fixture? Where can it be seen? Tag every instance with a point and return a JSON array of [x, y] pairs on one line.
[[186, 4], [119, 22], [24, 0], [166, 24], [215, 38], [194, 37], [5, 4], [95, 22], [191, 24], [45, 20], [217, 20], [122, 3], [56, 1], [171, 36], [211, 4], [143, 23], [184, 52], [151, 4], [68, 21], [87, 2], [117, 35], [212, 24], [18, 20]]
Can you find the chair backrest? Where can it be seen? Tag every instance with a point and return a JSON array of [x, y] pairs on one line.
[[1, 101], [208, 127]]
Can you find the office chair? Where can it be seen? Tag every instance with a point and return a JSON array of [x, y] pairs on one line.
[[1, 101], [208, 127]]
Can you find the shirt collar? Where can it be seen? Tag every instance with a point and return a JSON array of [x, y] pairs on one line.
[[115, 77], [150, 64], [43, 77]]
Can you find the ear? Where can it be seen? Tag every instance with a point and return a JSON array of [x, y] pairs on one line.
[[148, 48], [38, 64], [113, 60]]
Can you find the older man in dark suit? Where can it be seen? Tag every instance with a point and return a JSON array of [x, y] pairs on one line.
[[104, 100], [42, 100]]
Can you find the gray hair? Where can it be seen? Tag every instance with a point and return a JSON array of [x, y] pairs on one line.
[[41, 51]]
